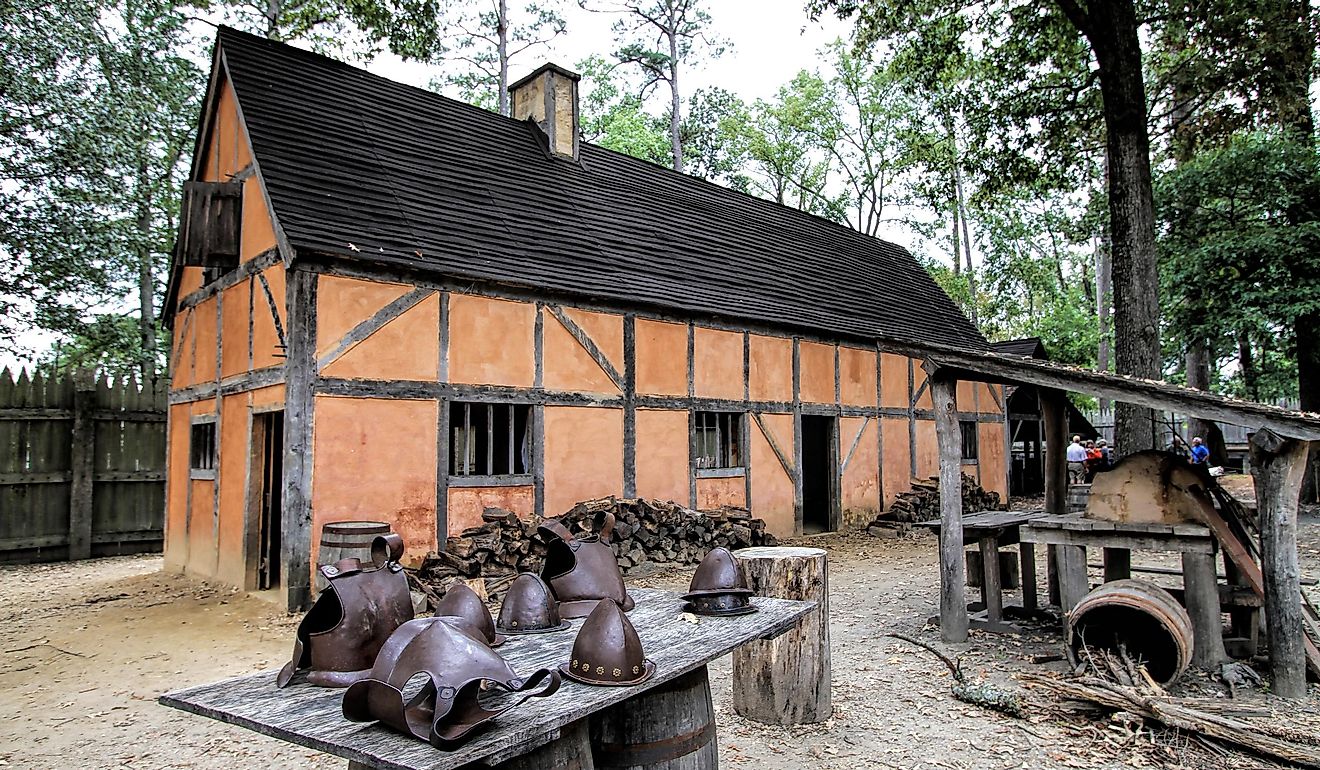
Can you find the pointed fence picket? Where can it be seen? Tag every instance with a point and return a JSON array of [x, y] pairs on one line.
[[82, 466]]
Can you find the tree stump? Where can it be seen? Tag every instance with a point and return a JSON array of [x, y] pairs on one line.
[[786, 680], [1201, 595]]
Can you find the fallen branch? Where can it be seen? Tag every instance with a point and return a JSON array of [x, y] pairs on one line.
[[1174, 713], [45, 644], [983, 694]]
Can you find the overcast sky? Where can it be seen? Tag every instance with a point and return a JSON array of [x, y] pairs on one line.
[[770, 41]]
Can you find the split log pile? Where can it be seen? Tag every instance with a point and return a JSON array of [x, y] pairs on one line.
[[922, 503], [645, 531]]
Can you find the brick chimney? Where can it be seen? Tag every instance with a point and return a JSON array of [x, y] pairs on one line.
[[549, 98]]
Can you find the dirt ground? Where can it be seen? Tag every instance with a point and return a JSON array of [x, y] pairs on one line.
[[88, 647]]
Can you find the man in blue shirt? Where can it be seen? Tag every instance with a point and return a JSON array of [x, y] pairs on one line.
[[1200, 452]]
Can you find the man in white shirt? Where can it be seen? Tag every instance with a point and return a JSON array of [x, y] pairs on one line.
[[1076, 461]]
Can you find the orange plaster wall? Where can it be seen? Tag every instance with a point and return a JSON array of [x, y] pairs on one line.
[[918, 378], [566, 365], [713, 493], [770, 368], [661, 358], [258, 230], [491, 341], [406, 348], [857, 376], [583, 455], [717, 363], [268, 396], [894, 380], [964, 399], [816, 381], [990, 455], [342, 303], [928, 450], [235, 449], [772, 488], [860, 486], [662, 454], [201, 529], [375, 459], [203, 327], [988, 395], [897, 468], [466, 504], [190, 281], [176, 493], [181, 341], [234, 330], [265, 341]]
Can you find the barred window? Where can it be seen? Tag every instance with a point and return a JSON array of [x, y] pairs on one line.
[[718, 439], [201, 447], [970, 446], [489, 439]]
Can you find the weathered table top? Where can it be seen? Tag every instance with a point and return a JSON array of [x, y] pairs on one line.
[[312, 717], [1076, 529], [988, 522]]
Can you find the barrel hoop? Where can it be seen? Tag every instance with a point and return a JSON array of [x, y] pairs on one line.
[[654, 752], [365, 544]]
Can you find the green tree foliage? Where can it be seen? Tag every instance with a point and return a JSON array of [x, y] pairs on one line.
[[611, 114], [659, 38], [97, 103], [484, 38], [1240, 252]]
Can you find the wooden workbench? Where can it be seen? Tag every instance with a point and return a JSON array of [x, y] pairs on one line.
[[993, 530], [311, 716]]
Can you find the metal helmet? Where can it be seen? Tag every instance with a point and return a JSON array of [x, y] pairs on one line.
[[457, 666], [529, 608], [607, 650], [718, 586], [581, 572], [340, 635], [462, 603]]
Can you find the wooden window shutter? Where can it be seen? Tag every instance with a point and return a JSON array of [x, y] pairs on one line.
[[209, 224]]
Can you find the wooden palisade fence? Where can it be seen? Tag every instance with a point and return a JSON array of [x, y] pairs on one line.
[[82, 466]]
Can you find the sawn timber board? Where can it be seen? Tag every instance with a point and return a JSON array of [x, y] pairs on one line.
[[312, 717]]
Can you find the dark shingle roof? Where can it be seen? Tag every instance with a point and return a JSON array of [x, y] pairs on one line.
[[353, 158], [1031, 347]]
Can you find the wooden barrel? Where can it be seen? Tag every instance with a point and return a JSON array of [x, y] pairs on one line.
[[1078, 495], [669, 727], [345, 539], [1142, 617]]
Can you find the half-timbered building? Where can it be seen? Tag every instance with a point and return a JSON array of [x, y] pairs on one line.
[[389, 305]]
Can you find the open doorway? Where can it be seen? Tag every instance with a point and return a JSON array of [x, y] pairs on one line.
[[820, 458], [265, 500]]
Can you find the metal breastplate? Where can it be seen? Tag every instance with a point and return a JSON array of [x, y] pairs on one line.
[[338, 639], [582, 572], [446, 710]]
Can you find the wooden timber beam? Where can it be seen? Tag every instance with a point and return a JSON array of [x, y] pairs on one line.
[[953, 603], [1278, 464]]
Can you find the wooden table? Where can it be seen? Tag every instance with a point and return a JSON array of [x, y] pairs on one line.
[[993, 530], [311, 716], [1071, 534]]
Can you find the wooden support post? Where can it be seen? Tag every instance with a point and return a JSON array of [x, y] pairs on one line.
[[786, 680], [299, 395], [82, 459], [1054, 429], [1027, 553], [1277, 463], [992, 590], [1201, 595], [953, 602], [1073, 583], [1118, 564]]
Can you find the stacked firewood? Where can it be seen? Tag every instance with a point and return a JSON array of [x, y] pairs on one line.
[[644, 531], [922, 503]]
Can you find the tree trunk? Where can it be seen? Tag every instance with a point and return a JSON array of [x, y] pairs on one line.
[[675, 102], [1247, 363], [1111, 28], [502, 29], [146, 278], [273, 9], [966, 238], [1198, 376]]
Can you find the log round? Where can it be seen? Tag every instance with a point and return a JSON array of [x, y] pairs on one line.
[[669, 727], [1142, 617], [346, 539], [786, 680]]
